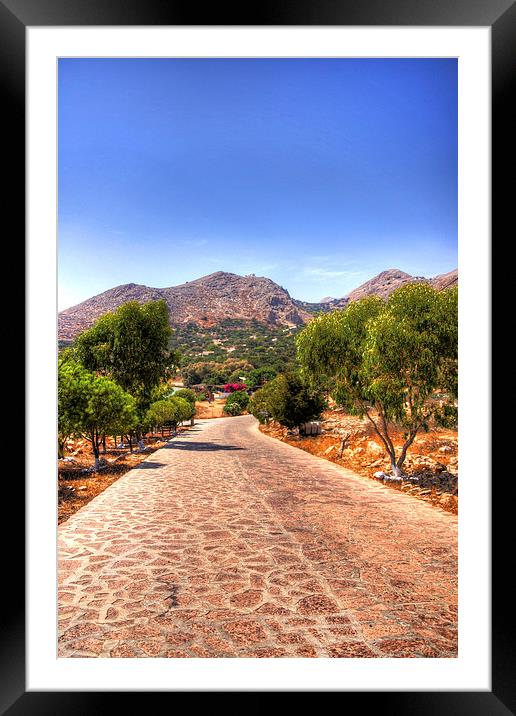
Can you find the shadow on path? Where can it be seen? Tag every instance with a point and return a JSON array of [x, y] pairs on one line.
[[197, 446], [150, 465]]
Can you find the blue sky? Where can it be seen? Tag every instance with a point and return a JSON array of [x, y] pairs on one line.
[[318, 173]]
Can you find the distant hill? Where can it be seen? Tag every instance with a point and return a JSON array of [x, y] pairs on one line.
[[445, 280], [212, 299], [381, 285], [206, 301]]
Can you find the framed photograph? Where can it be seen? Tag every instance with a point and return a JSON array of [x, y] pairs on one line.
[[235, 197]]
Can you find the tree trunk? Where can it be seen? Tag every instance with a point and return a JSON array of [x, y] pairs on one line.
[[104, 444], [343, 442], [404, 449], [95, 445], [396, 469]]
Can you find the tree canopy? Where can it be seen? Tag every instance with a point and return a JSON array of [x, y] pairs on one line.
[[386, 360], [92, 405], [287, 399], [131, 346], [170, 410]]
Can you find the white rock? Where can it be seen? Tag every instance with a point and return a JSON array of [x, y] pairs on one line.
[[374, 447]]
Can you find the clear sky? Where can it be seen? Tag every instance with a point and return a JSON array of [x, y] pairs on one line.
[[318, 173]]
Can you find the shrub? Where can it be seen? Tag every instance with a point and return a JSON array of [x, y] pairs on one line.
[[187, 394], [234, 387], [238, 398], [232, 409], [287, 399]]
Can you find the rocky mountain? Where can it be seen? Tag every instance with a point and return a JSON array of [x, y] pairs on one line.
[[209, 300], [445, 280], [205, 301], [385, 283]]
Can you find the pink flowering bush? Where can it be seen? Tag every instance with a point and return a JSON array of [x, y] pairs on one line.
[[234, 387]]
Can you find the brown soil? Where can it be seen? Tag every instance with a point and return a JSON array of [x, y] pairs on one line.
[[431, 460], [78, 483], [203, 409]]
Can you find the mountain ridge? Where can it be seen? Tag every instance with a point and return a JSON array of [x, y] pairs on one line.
[[210, 299]]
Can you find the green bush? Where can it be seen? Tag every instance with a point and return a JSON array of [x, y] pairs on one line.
[[186, 394], [236, 403], [287, 399], [233, 409]]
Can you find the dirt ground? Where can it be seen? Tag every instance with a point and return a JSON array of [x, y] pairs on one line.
[[431, 464], [203, 409]]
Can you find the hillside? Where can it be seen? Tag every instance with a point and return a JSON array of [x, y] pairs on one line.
[[209, 301], [381, 285]]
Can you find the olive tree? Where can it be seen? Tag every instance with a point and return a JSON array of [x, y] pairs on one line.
[[387, 360]]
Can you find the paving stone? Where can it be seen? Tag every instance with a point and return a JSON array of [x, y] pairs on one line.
[[240, 545]]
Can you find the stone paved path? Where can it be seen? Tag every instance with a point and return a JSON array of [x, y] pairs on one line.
[[229, 543]]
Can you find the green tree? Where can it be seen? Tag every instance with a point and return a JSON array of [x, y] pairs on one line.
[[73, 381], [387, 360], [287, 399], [259, 376], [92, 406], [171, 411], [159, 413], [182, 410], [131, 346], [186, 394], [260, 403]]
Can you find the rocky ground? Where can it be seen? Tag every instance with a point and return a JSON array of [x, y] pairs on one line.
[[431, 464]]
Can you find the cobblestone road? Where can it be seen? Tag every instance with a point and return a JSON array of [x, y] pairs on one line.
[[227, 543]]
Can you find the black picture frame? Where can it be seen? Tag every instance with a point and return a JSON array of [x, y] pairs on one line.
[[500, 16]]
